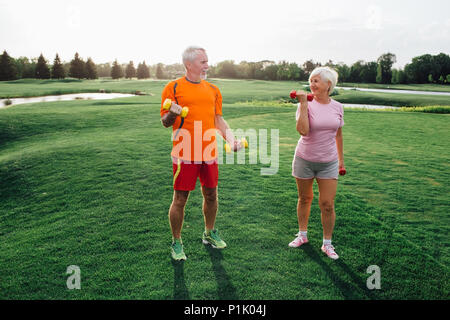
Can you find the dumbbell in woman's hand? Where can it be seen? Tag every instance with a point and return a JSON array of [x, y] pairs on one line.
[[309, 96]]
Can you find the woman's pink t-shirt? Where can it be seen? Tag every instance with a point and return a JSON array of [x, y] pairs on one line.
[[324, 121]]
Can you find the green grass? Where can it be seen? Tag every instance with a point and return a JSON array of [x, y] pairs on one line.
[[34, 88], [88, 183], [391, 99], [233, 91]]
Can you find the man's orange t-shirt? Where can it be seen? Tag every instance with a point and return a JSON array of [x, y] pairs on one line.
[[196, 140]]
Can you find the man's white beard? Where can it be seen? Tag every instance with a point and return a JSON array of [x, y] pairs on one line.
[[203, 77]]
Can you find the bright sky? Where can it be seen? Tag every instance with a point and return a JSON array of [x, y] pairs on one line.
[[159, 30]]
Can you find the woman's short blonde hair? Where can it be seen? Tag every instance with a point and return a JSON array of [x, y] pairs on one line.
[[326, 74]]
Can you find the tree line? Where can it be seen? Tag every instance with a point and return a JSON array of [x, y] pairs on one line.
[[426, 68], [12, 69], [422, 69]]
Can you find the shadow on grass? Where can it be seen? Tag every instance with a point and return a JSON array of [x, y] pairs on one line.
[[180, 291], [60, 81], [14, 184], [225, 289], [357, 290]]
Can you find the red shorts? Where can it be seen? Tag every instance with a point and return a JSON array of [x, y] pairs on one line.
[[185, 174]]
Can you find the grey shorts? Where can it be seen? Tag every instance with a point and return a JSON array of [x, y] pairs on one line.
[[303, 169]]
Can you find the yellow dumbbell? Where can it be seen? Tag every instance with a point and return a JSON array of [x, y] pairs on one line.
[[168, 103], [184, 112], [244, 143]]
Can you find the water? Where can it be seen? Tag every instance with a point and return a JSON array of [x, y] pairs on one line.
[[366, 106], [66, 97], [433, 93]]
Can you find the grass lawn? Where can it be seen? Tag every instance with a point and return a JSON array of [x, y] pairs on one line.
[[88, 183], [233, 91]]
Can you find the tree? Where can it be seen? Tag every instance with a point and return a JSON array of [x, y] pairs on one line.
[[212, 72], [309, 66], [270, 72], [379, 78], [130, 71], [251, 70], [283, 71], [227, 69], [356, 70], [159, 71], [29, 68], [42, 69], [384, 71], [395, 76], [295, 72], [91, 70], [8, 69], [361, 71], [443, 60], [242, 70], [21, 64], [77, 67], [116, 71], [143, 71], [368, 72], [401, 77], [259, 68], [175, 70], [288, 71], [58, 69], [343, 71], [419, 69], [104, 69]]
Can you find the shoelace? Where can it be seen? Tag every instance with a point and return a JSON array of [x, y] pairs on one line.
[[214, 235], [330, 249], [177, 246], [299, 235]]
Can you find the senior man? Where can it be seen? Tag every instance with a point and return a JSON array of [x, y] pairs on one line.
[[194, 152]]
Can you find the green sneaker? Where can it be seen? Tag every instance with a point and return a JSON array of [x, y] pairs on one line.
[[213, 239], [177, 250]]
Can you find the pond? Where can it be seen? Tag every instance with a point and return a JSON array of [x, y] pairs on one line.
[[103, 96], [367, 106], [65, 97], [433, 93]]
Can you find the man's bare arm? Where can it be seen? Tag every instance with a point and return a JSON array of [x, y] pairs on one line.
[[168, 119], [225, 131]]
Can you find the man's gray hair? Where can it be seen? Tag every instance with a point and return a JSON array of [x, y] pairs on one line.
[[326, 74], [190, 53]]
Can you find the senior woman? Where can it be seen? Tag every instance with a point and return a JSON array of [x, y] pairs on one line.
[[319, 155]]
